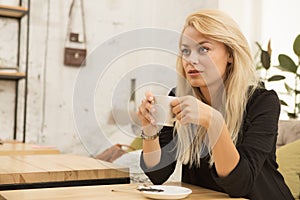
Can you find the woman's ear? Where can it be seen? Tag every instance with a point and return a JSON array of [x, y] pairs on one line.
[[230, 58], [230, 55]]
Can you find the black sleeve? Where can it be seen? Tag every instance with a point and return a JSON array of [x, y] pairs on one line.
[[258, 141], [163, 170]]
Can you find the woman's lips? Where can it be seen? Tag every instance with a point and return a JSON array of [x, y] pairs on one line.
[[194, 72]]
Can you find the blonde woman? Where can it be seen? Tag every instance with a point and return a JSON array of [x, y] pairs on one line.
[[226, 125]]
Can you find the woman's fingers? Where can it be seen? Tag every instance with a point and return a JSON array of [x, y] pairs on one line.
[[177, 105], [144, 112], [149, 97], [176, 109], [186, 109]]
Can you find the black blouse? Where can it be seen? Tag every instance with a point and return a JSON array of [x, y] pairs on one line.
[[256, 176]]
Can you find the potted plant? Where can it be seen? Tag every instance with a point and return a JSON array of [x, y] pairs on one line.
[[263, 66], [288, 65]]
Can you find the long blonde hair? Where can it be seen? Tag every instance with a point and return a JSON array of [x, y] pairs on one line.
[[240, 81]]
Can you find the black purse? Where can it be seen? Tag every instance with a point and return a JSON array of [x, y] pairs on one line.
[[75, 51]]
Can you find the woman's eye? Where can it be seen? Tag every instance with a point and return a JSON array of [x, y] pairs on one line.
[[202, 50], [185, 52]]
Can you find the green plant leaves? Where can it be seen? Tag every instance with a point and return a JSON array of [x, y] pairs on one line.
[[283, 103], [296, 46], [291, 90], [276, 78], [259, 46], [259, 67], [287, 64], [269, 48], [292, 115], [265, 59], [265, 56], [288, 88]]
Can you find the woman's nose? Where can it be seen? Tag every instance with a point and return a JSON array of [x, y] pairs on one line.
[[195, 62], [194, 59]]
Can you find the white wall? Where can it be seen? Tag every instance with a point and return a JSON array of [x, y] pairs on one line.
[[262, 20], [248, 14], [50, 118], [8, 58], [280, 23]]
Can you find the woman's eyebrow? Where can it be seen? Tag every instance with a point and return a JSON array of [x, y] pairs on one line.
[[200, 43], [184, 45], [203, 42]]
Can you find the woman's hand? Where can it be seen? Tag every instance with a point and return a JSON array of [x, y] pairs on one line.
[[144, 114], [189, 109], [151, 148]]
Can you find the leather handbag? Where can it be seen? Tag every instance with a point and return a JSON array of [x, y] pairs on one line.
[[75, 51], [74, 57]]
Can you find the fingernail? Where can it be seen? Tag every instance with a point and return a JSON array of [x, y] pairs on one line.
[[150, 98]]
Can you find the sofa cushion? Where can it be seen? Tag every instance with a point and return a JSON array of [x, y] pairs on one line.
[[288, 158], [288, 131]]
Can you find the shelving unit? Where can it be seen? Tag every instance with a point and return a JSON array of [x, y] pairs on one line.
[[13, 11], [12, 75], [18, 12]]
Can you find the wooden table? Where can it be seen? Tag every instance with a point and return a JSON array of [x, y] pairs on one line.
[[40, 171], [15, 148], [124, 191]]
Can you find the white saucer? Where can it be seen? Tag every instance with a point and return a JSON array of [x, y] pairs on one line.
[[169, 192]]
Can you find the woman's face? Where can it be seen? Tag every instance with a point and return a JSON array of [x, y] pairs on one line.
[[204, 60]]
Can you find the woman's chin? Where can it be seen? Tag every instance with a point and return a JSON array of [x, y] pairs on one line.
[[197, 83]]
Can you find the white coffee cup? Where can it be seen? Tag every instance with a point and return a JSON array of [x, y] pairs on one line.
[[163, 115]]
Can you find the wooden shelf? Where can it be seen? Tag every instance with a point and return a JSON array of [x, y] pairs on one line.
[[15, 14], [13, 11], [12, 75]]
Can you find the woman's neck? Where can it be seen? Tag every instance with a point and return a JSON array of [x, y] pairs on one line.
[[212, 93]]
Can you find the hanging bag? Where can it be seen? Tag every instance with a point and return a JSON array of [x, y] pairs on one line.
[[73, 54]]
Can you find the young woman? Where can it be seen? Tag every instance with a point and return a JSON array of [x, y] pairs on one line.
[[226, 126]]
